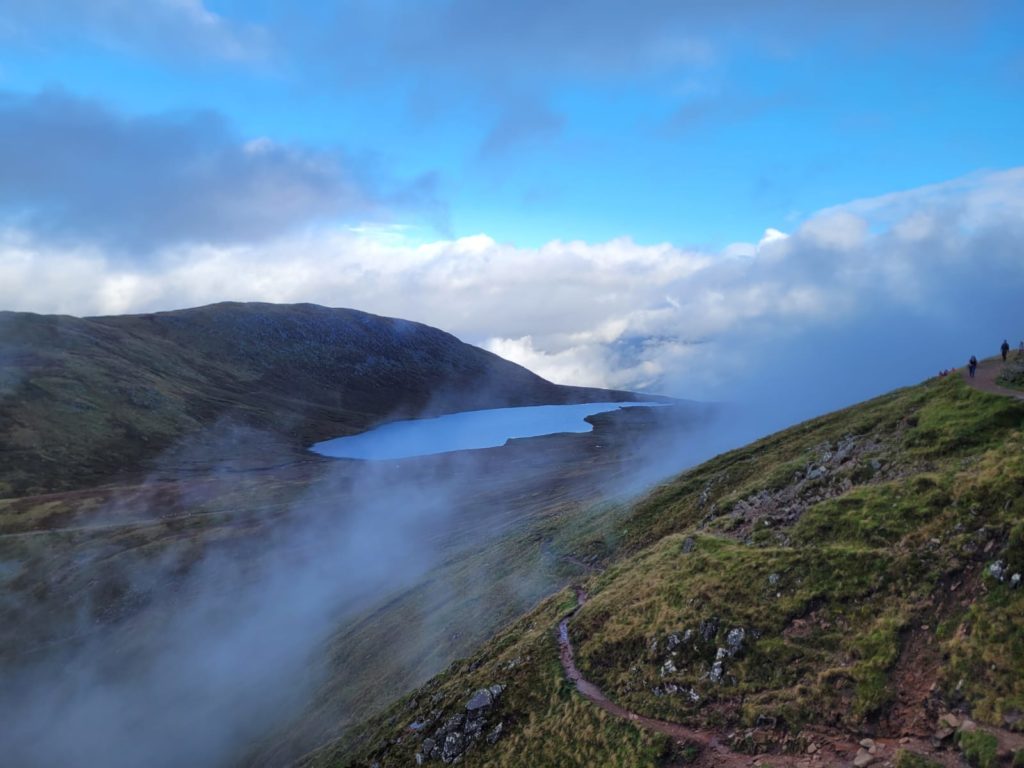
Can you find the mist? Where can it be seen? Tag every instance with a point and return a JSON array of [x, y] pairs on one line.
[[208, 655], [230, 647]]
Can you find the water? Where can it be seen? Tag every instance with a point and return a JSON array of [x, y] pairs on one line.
[[464, 431]]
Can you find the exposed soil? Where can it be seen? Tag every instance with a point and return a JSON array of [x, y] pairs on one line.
[[985, 379], [911, 718]]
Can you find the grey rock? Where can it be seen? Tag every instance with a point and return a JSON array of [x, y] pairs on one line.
[[1015, 580], [420, 759], [482, 699], [688, 545], [844, 450], [717, 671], [688, 636], [672, 642], [708, 628], [496, 690], [427, 746], [475, 727], [773, 579], [668, 668], [495, 733], [734, 640], [863, 758], [454, 746], [997, 570], [453, 723]]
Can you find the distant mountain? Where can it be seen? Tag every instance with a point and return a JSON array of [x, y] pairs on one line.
[[83, 399]]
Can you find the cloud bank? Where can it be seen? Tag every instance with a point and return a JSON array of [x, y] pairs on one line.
[[942, 262], [75, 171]]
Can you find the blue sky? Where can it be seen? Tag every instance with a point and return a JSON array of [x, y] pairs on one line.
[[463, 140], [748, 124]]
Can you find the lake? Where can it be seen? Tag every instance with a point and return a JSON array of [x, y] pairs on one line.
[[464, 431]]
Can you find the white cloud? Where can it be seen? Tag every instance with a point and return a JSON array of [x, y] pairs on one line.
[[618, 313]]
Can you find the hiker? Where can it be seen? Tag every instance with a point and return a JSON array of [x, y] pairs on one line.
[[1005, 349], [1020, 350], [972, 364]]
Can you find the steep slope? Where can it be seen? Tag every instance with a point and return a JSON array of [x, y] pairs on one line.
[[84, 398], [855, 576]]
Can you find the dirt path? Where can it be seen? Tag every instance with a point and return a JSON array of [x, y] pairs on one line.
[[833, 749], [713, 752], [985, 378]]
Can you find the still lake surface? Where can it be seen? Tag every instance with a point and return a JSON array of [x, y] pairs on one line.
[[465, 430]]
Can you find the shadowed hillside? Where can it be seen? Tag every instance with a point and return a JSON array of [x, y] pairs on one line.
[[166, 537], [848, 589], [82, 399]]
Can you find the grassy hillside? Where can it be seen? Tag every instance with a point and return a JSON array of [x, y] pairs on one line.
[[114, 567], [85, 399], [856, 575]]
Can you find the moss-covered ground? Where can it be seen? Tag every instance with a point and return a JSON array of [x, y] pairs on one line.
[[828, 570]]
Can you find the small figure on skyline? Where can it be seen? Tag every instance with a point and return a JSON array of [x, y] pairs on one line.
[[1005, 348], [1020, 350], [972, 364]]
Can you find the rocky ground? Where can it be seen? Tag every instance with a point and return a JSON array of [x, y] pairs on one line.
[[846, 592]]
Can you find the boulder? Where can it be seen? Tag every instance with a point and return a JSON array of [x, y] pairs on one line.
[[717, 670], [453, 723], [708, 628], [734, 640], [495, 733], [482, 699], [950, 720], [863, 758], [454, 746]]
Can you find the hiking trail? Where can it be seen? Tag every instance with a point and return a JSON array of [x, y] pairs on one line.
[[985, 378], [832, 749]]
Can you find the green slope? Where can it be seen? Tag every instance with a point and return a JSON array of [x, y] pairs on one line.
[[85, 399], [867, 556]]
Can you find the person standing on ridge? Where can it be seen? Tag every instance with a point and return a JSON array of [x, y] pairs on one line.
[[1005, 349], [972, 364], [1020, 350]]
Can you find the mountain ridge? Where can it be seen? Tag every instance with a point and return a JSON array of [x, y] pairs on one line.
[[82, 399]]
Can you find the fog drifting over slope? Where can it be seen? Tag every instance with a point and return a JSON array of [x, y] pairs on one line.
[[223, 651], [856, 300]]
